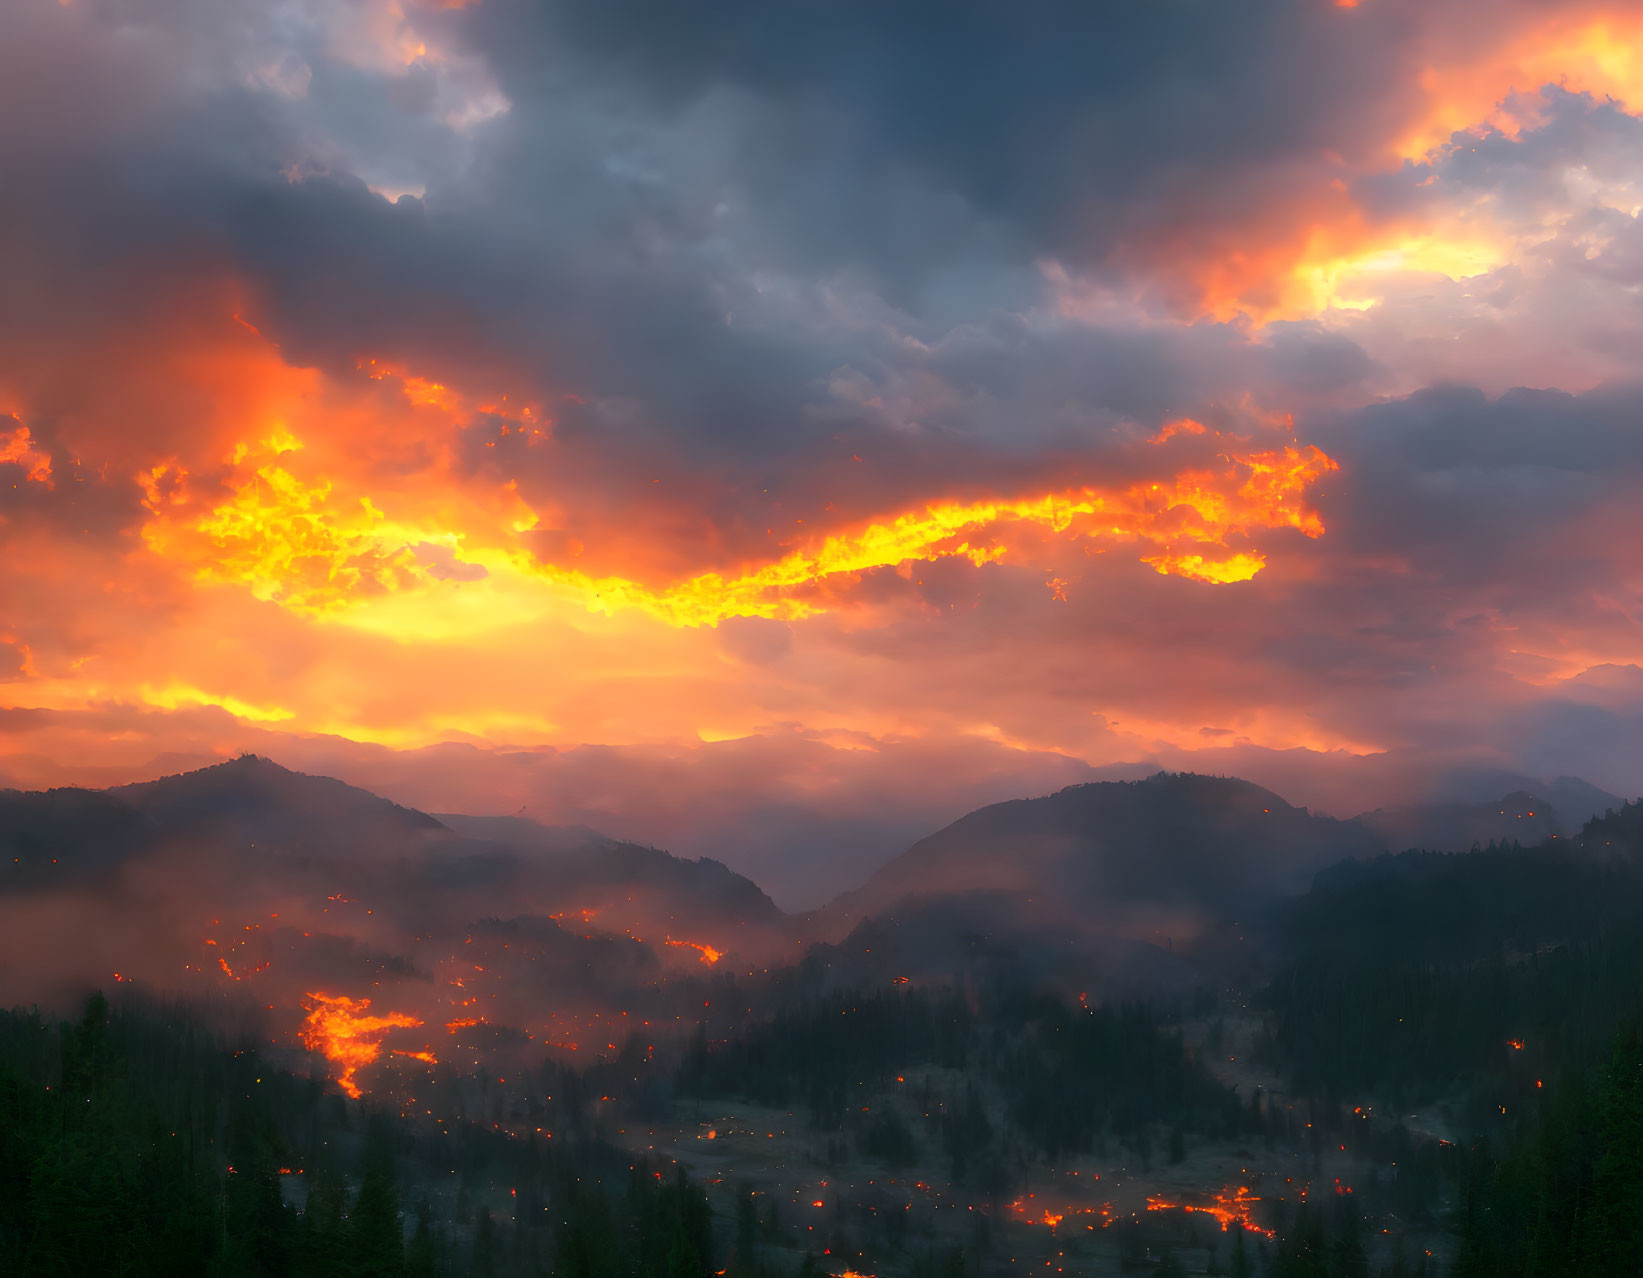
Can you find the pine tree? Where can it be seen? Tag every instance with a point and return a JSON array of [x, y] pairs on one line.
[[1169, 1266], [376, 1237], [1348, 1257], [745, 1259], [422, 1255], [258, 1229], [1614, 1243], [324, 1246], [483, 1264], [588, 1246]]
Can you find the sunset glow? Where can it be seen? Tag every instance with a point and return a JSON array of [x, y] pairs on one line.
[[365, 457], [851, 639]]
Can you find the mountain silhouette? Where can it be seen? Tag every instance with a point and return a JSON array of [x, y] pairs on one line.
[[280, 831], [1174, 842]]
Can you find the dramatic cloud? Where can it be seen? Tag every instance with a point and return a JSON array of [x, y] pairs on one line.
[[734, 423]]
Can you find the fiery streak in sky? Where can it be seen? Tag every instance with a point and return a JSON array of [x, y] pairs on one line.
[[317, 552]]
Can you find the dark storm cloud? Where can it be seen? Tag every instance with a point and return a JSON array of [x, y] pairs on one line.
[[1069, 123], [1502, 496], [1315, 361], [777, 268], [663, 267]]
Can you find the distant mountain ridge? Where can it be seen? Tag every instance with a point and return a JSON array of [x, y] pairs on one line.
[[593, 860], [249, 872], [251, 795], [1531, 812], [1098, 868], [251, 806], [1171, 841], [1457, 827]]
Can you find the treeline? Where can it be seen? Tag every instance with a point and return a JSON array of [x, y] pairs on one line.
[[1566, 1198], [1071, 1075], [1067, 1076], [821, 1053], [132, 1144], [1425, 975], [93, 1177]]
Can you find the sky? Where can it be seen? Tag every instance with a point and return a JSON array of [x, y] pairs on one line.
[[771, 430]]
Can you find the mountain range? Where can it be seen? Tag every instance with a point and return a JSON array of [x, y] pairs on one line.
[[1125, 887]]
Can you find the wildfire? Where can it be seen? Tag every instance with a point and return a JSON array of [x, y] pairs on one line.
[[708, 954], [1033, 1213], [339, 1028], [234, 948], [1234, 1207]]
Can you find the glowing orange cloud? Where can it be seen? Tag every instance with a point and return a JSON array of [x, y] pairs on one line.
[[340, 1029], [1317, 248], [1582, 48], [291, 542], [302, 544], [1309, 256], [18, 447]]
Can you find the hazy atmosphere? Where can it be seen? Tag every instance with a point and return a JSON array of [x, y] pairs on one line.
[[952, 502], [700, 426]]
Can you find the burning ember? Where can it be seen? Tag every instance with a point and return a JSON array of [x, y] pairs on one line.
[[1034, 1213], [338, 1028], [1230, 1208]]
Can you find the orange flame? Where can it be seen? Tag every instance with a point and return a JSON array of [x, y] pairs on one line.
[[1234, 1207], [709, 955], [339, 1029]]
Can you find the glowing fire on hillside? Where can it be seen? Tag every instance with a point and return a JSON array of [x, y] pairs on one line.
[[1031, 1210], [708, 954], [1230, 1207], [342, 1031]]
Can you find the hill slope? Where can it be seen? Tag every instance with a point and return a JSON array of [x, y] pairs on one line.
[[1172, 842]]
